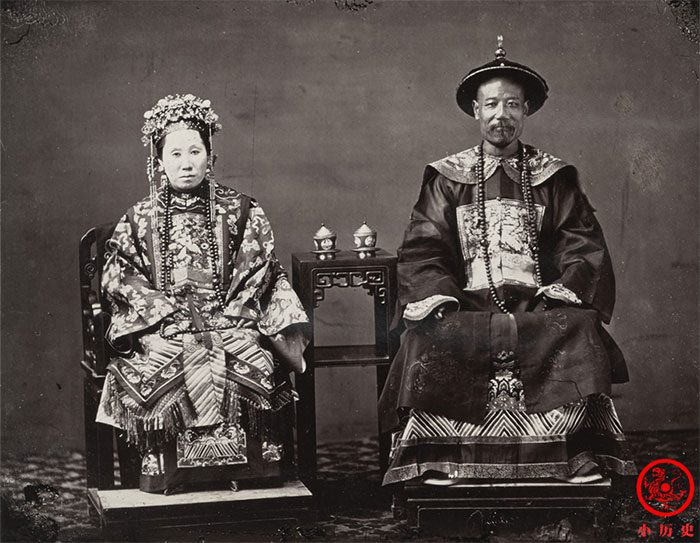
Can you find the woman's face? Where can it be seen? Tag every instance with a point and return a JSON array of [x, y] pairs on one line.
[[184, 159]]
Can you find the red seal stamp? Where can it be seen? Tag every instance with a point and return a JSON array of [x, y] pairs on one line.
[[665, 487]]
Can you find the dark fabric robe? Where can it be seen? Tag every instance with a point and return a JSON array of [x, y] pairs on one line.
[[573, 253]]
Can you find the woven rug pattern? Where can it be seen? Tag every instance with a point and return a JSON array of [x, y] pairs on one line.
[[44, 499]]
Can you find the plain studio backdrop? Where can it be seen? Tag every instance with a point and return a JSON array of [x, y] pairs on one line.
[[330, 114]]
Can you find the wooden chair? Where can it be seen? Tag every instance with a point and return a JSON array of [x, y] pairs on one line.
[[99, 438], [124, 511]]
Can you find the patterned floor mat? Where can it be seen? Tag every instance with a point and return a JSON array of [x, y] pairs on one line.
[[44, 500]]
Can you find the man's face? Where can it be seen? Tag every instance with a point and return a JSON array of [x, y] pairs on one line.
[[501, 109]]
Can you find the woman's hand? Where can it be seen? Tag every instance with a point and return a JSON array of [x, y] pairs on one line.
[[177, 316]]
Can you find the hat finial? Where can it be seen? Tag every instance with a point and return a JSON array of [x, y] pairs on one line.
[[500, 52]]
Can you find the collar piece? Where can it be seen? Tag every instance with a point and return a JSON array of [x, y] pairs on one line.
[[461, 167]]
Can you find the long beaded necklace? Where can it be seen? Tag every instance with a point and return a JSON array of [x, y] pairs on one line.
[[531, 223], [165, 228]]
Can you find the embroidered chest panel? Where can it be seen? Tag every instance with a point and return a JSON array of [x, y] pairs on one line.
[[508, 248], [189, 247]]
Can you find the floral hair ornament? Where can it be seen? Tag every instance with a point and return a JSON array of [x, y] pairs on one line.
[[177, 113]]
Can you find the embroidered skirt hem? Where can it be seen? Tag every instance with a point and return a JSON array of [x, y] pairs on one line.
[[558, 459]]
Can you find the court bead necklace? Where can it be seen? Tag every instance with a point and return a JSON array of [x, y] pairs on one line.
[[531, 222]]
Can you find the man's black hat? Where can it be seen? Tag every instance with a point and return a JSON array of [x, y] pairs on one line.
[[533, 83]]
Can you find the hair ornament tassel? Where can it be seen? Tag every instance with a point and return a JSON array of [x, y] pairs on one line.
[[210, 178], [153, 191]]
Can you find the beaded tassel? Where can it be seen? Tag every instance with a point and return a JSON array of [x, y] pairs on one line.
[[214, 247], [211, 201], [164, 233], [526, 188], [209, 176], [151, 174], [211, 231], [155, 218]]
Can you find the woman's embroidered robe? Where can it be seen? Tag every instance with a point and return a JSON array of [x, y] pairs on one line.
[[213, 379], [482, 394]]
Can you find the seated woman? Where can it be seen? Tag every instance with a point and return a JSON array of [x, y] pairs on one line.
[[204, 316]]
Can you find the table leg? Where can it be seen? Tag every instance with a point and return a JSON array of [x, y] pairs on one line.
[[306, 424], [384, 438], [382, 325]]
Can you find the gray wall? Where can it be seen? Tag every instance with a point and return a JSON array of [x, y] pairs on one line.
[[330, 115]]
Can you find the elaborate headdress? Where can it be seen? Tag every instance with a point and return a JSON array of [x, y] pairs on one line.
[[176, 113], [533, 83]]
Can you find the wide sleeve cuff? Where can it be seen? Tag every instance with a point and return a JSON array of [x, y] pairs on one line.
[[417, 311], [283, 309], [147, 310]]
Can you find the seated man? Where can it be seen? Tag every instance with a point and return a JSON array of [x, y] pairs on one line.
[[504, 371]]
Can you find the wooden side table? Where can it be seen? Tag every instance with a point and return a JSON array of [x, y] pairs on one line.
[[310, 279]]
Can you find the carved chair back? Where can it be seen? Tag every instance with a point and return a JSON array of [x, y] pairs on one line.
[[93, 308], [99, 438]]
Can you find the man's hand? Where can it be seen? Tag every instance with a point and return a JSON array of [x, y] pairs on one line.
[[441, 311], [557, 291], [426, 308]]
